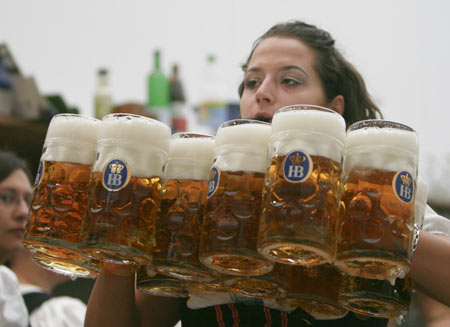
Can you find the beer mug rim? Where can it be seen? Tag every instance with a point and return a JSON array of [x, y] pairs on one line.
[[188, 135], [380, 123], [295, 107], [242, 121]]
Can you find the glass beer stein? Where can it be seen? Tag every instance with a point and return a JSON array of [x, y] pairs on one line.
[[148, 281], [315, 290], [59, 201], [376, 226], [125, 188], [180, 218], [380, 298], [301, 189], [233, 206]]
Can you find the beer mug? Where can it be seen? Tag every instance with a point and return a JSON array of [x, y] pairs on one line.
[[148, 281], [315, 290], [270, 285], [60, 192], [376, 226], [125, 188], [380, 298], [233, 206], [301, 191], [179, 222]]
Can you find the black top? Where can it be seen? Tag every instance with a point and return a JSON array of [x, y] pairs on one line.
[[244, 315]]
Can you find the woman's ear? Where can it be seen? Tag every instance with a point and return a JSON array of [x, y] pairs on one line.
[[337, 104]]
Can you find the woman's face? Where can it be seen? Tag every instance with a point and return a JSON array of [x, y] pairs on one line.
[[15, 196], [280, 72]]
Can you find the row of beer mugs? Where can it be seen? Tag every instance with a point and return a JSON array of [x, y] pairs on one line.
[[126, 182]]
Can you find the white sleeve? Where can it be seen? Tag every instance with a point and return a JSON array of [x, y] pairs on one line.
[[435, 223], [13, 312], [61, 311]]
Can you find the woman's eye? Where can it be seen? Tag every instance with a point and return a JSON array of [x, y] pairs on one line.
[[6, 198], [251, 83], [291, 81]]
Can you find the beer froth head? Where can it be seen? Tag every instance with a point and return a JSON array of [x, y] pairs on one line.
[[313, 129], [71, 138], [140, 142], [394, 146], [242, 145], [190, 156]]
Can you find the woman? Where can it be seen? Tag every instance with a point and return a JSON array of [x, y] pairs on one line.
[[292, 63], [15, 196]]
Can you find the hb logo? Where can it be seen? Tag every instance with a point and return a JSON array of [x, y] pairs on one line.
[[213, 181], [297, 166], [403, 184], [115, 175]]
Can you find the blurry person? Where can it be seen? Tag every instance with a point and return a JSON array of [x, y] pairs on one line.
[[15, 196], [36, 285]]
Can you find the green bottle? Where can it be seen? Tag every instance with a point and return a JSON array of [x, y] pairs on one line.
[[159, 91]]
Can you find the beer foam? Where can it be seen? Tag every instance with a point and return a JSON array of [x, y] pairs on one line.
[[71, 138], [135, 128], [143, 143], [325, 146], [387, 149], [190, 158], [257, 134], [323, 122], [390, 137], [242, 147]]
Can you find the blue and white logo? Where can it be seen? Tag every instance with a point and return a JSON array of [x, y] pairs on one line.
[[213, 181], [403, 184], [116, 175], [297, 166], [39, 174]]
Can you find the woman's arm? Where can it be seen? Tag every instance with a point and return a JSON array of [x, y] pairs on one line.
[[114, 302], [431, 266]]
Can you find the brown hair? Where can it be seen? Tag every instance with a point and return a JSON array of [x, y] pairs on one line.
[[9, 162], [338, 76]]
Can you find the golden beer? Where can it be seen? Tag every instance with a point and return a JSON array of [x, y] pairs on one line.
[[82, 266], [233, 208], [301, 190], [148, 281], [125, 189], [376, 226], [270, 285], [60, 196], [179, 222], [380, 298], [122, 221], [377, 298], [315, 290]]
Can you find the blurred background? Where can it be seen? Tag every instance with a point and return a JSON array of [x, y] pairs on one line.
[[98, 56]]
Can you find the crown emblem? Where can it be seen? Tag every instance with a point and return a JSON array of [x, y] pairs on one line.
[[406, 179], [213, 173], [297, 159], [116, 167]]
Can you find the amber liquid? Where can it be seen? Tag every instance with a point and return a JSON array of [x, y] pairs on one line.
[[377, 298], [315, 290], [230, 226], [119, 226], [159, 285], [178, 228], [376, 227], [56, 213], [270, 285], [298, 220]]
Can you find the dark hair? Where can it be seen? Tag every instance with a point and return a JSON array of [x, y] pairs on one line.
[[9, 162], [338, 76]]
